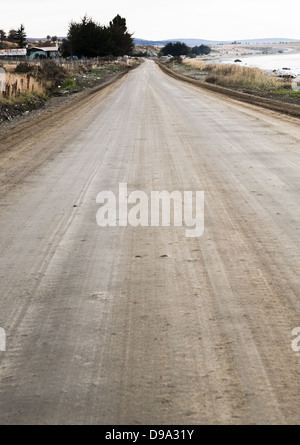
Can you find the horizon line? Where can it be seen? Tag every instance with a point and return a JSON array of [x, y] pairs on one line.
[[286, 39]]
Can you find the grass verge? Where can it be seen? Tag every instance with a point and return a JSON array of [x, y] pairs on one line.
[[245, 79]]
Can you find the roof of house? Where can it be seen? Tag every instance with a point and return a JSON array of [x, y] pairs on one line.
[[45, 48]]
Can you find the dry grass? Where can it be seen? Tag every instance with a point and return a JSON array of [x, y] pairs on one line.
[[18, 84], [9, 67], [195, 63], [236, 76], [243, 77]]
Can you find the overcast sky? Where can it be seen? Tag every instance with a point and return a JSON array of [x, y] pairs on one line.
[[160, 19]]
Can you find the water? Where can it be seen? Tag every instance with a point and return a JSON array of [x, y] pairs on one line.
[[271, 62]]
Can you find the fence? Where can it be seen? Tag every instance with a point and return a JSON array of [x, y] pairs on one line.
[[59, 60]]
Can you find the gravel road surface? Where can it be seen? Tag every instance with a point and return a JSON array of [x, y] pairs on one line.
[[142, 325]]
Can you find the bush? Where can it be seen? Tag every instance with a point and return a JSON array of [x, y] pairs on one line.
[[24, 68], [69, 84], [177, 59], [51, 71]]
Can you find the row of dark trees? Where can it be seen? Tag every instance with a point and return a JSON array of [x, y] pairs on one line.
[[17, 36], [90, 39], [181, 49], [86, 38]]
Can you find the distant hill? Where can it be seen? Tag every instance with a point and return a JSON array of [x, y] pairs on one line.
[[197, 42], [276, 40], [189, 42]]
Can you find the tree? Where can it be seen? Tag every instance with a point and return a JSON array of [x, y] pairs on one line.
[[201, 50], [2, 35], [21, 36], [86, 38], [2, 38], [65, 48], [121, 40], [12, 36], [175, 49], [90, 39]]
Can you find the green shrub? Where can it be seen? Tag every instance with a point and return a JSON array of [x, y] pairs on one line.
[[69, 84], [286, 86]]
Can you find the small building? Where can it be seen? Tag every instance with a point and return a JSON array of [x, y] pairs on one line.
[[45, 52]]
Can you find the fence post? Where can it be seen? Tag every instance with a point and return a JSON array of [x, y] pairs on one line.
[[2, 79]]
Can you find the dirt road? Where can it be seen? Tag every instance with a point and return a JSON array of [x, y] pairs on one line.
[[124, 325]]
